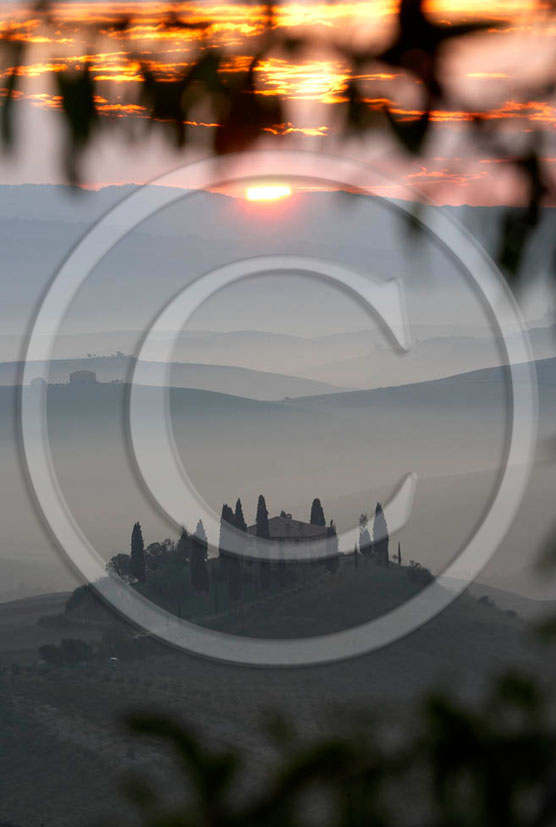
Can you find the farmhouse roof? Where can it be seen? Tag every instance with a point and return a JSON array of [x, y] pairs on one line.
[[286, 528]]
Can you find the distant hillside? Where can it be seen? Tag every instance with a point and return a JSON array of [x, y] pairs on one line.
[[461, 383], [216, 360], [526, 608], [350, 449], [24, 578], [238, 381], [429, 359]]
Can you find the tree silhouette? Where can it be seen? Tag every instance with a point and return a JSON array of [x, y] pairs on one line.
[[332, 549], [227, 551], [240, 542], [380, 537], [262, 531], [120, 565], [317, 513], [365, 543], [157, 555], [261, 520], [137, 564], [227, 537], [198, 560], [183, 546], [239, 519]]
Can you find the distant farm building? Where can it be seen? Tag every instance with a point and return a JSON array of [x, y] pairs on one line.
[[83, 377], [285, 532], [285, 528]]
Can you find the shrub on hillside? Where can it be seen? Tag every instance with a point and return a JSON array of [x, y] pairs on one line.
[[77, 597], [70, 652], [419, 574]]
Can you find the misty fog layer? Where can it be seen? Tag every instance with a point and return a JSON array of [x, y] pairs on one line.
[[262, 378], [349, 449]]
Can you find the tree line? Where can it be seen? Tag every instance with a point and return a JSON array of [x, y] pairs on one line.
[[237, 562]]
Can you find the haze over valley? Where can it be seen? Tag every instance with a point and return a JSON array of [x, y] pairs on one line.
[[281, 384]]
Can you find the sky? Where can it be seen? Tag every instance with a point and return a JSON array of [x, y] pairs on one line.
[[482, 71], [202, 231]]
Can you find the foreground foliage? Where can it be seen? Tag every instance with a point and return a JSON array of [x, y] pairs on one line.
[[491, 764]]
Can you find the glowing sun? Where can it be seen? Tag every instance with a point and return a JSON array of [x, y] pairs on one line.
[[268, 192]]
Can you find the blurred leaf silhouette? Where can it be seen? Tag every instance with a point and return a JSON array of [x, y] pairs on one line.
[[410, 133], [14, 51], [76, 90], [488, 764], [518, 224], [245, 115], [418, 43]]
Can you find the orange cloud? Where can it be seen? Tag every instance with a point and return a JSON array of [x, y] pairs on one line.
[[486, 75], [167, 48], [443, 176], [321, 80]]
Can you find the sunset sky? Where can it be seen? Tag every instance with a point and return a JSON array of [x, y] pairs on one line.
[[490, 73]]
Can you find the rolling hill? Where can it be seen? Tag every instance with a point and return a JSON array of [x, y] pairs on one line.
[[350, 449], [238, 381]]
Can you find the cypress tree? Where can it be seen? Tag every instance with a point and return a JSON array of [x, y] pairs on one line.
[[261, 521], [317, 513], [365, 544], [137, 562], [262, 530], [355, 556], [229, 561], [332, 549], [235, 564], [198, 560], [399, 555], [227, 537], [182, 547], [380, 537], [240, 523], [317, 518]]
